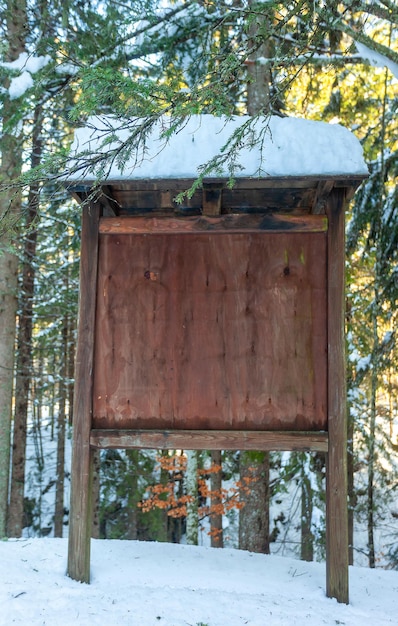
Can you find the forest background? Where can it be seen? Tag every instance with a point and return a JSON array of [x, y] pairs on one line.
[[63, 62]]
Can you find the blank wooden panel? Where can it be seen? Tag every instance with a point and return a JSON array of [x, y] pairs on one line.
[[203, 332]]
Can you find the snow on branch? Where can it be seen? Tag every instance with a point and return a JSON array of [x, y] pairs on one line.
[[376, 58], [27, 65]]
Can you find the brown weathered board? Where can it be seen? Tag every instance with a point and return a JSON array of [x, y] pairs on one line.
[[210, 440], [221, 224], [201, 332]]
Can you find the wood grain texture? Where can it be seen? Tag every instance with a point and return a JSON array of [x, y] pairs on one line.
[[202, 332], [209, 440], [81, 475], [336, 468], [216, 225]]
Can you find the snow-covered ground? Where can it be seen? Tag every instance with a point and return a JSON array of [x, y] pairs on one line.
[[143, 584]]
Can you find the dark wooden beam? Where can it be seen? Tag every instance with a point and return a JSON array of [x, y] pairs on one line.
[[225, 223], [210, 440]]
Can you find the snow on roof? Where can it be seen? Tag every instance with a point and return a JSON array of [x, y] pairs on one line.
[[273, 147]]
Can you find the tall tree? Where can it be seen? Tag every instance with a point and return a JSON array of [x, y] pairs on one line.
[[10, 205], [307, 538], [191, 487], [217, 539], [254, 516], [61, 427], [24, 353]]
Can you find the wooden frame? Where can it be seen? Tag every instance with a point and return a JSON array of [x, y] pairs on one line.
[[322, 212]]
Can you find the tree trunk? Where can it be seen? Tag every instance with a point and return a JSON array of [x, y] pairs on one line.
[[8, 306], [254, 516], [191, 488], [60, 476], [10, 202], [350, 453], [372, 431], [307, 538], [133, 495], [258, 73], [24, 354], [175, 525], [71, 368], [96, 486], [350, 486], [61, 424], [217, 540], [165, 520]]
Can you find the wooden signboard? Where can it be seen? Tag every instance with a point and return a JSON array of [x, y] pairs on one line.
[[222, 329], [210, 331]]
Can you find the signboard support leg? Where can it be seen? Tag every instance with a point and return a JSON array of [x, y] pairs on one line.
[[336, 460], [82, 456]]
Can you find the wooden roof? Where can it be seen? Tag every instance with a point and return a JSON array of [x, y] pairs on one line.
[[295, 195]]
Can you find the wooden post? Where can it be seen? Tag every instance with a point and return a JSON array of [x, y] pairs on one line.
[[212, 197], [82, 457], [336, 466]]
